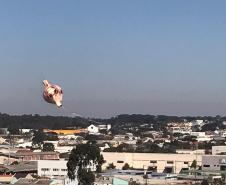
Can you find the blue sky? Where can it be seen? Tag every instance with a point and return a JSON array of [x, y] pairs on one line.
[[113, 57]]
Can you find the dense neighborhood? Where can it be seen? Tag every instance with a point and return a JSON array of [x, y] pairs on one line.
[[131, 149]]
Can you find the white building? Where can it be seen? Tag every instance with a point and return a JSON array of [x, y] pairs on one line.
[[24, 131], [25, 144], [55, 168], [51, 168], [172, 163], [92, 129], [106, 127], [198, 123]]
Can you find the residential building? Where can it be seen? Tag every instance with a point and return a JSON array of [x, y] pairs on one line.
[[92, 129]]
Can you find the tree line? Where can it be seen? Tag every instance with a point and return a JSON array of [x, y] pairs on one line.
[[119, 123]]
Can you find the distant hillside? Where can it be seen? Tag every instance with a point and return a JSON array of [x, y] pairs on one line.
[[39, 122], [125, 121]]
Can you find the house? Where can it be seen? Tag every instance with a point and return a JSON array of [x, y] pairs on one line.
[[92, 129]]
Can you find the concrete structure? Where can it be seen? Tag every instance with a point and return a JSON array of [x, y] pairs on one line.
[[218, 150], [169, 163], [49, 168], [214, 162]]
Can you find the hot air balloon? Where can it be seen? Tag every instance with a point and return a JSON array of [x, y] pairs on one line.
[[52, 93]]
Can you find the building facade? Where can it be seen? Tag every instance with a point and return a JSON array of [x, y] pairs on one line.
[[51, 168], [214, 163], [159, 162]]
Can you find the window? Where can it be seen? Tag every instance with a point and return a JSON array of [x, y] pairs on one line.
[[45, 169], [120, 161], [185, 162], [153, 161], [206, 165], [169, 162]]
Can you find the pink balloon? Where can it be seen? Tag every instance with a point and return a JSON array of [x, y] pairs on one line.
[[52, 93]]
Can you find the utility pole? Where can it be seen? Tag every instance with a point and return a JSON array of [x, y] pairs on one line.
[[9, 150]]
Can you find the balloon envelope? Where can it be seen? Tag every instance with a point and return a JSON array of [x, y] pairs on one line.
[[52, 93]]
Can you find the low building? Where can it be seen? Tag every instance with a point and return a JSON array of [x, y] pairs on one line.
[[159, 162], [34, 156], [49, 168]]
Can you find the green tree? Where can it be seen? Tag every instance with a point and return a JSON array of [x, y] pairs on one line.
[[80, 161], [126, 166], [194, 164], [111, 166], [14, 131], [204, 182], [38, 138], [86, 177], [48, 147]]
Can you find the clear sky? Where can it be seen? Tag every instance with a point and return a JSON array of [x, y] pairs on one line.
[[113, 57]]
